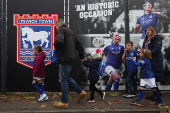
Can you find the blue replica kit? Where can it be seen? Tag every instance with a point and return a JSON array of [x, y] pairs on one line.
[[130, 66], [114, 55], [146, 71], [148, 20]]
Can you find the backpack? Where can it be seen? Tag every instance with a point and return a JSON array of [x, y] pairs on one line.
[[53, 56], [101, 68]]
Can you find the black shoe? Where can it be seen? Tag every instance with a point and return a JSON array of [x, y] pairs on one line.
[[91, 100], [154, 98], [150, 96], [128, 95], [135, 93], [135, 103], [160, 103]]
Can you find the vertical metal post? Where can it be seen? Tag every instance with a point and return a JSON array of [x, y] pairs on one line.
[[66, 12], [127, 20], [126, 27], [3, 47]]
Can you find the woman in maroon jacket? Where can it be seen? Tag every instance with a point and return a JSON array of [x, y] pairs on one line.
[[39, 72]]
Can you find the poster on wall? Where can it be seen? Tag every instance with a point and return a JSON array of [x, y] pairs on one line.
[[34, 30], [94, 20], [163, 26]]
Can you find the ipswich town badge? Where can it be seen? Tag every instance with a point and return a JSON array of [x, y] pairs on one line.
[[34, 30]]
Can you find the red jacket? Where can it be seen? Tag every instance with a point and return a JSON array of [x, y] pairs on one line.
[[39, 65]]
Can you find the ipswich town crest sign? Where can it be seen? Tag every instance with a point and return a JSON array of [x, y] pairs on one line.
[[34, 30]]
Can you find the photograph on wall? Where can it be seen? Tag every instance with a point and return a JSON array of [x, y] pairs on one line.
[[94, 20], [161, 24]]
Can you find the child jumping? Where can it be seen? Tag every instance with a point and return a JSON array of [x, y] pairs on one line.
[[147, 78], [39, 72], [92, 76], [131, 69]]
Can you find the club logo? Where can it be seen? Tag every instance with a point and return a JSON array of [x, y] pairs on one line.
[[34, 30], [132, 54]]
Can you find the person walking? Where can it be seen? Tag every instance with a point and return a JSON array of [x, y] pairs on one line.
[[93, 76], [147, 78], [39, 71], [67, 45]]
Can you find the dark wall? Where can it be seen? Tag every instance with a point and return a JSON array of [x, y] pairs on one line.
[[19, 77], [0, 43]]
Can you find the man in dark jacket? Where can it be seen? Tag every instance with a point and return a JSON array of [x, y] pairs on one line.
[[67, 45]]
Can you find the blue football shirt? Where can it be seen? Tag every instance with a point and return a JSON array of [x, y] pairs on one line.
[[146, 71], [148, 20], [114, 55], [130, 66]]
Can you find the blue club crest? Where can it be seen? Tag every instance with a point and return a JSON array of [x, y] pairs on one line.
[[34, 30]]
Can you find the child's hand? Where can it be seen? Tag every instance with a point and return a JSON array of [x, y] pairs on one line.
[[125, 50], [139, 50], [82, 60], [137, 26], [134, 58], [85, 59]]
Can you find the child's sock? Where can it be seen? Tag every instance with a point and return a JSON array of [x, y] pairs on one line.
[[108, 86], [37, 88], [41, 87], [156, 93], [116, 84], [140, 94]]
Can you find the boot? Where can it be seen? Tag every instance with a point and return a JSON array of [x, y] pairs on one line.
[[81, 96], [60, 105]]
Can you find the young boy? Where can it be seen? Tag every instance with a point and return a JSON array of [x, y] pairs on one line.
[[131, 69]]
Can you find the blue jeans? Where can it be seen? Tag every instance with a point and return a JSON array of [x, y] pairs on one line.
[[132, 81], [65, 79]]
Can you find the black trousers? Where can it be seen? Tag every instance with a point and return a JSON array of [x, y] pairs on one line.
[[93, 88]]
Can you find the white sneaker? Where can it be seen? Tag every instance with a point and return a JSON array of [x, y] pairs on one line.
[[42, 97], [45, 98]]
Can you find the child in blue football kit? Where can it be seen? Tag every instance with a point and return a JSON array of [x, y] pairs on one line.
[[131, 69], [147, 78], [93, 76]]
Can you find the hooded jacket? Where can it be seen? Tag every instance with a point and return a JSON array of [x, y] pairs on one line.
[[67, 45], [155, 47], [92, 76], [39, 69]]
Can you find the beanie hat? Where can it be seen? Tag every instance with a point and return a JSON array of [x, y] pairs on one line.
[[96, 54]]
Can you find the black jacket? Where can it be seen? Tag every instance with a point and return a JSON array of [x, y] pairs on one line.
[[67, 45], [92, 76], [155, 47]]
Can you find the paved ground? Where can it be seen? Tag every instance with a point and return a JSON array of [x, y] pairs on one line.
[[26, 102]]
